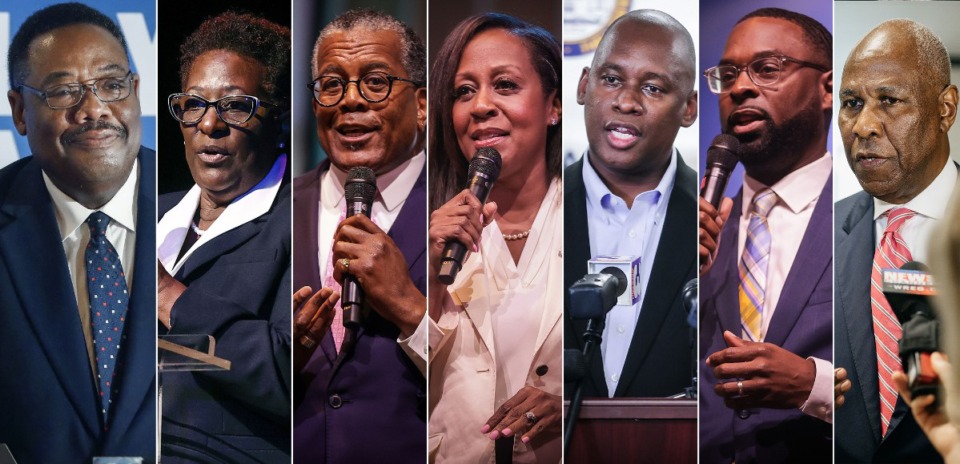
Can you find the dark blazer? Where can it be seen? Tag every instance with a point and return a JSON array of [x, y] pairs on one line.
[[238, 290], [802, 324], [660, 356], [368, 406], [49, 408], [858, 421]]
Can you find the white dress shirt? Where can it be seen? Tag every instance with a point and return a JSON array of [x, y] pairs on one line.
[[173, 227], [797, 195], [393, 188], [121, 232], [930, 206], [616, 230]]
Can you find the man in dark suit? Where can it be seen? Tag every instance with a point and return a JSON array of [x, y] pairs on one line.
[[75, 384], [632, 194], [766, 328], [896, 107], [360, 396]]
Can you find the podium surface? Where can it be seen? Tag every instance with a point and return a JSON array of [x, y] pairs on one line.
[[634, 430]]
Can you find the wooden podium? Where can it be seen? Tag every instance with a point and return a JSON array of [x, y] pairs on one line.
[[634, 430]]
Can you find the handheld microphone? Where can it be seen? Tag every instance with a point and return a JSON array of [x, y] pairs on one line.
[[690, 301], [482, 173], [359, 190], [721, 160], [907, 290]]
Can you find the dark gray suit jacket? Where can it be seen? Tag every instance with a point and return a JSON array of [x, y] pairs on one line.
[[858, 421]]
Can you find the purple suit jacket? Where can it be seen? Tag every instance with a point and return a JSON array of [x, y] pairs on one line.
[[802, 324], [369, 406]]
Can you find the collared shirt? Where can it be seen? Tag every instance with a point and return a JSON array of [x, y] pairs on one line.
[[173, 227], [930, 206], [75, 235], [616, 230], [797, 196], [393, 188]]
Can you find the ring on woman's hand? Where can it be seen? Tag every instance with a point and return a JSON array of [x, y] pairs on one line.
[[739, 387], [307, 342], [531, 417], [345, 262]]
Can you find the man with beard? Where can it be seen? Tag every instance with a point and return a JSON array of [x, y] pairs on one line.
[[766, 280], [77, 257], [896, 106]]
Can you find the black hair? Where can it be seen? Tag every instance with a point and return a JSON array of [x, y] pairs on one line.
[[46, 20]]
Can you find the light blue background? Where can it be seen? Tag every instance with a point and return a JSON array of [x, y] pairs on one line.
[[137, 20]]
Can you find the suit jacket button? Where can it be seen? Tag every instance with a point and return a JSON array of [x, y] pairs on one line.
[[542, 370], [743, 413], [335, 401]]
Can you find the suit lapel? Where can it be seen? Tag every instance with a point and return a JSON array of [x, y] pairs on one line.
[[813, 257], [141, 326], [668, 273], [853, 279], [306, 268], [405, 231], [49, 303], [576, 254], [726, 268], [218, 246]]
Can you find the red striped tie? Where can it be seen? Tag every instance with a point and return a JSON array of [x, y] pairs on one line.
[[892, 253]]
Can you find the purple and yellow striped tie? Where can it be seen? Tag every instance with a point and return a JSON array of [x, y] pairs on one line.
[[753, 265]]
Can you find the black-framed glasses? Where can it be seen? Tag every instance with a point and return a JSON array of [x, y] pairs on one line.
[[763, 72], [232, 109], [374, 87], [106, 89]]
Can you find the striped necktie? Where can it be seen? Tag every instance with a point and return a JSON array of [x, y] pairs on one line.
[[754, 264], [891, 253]]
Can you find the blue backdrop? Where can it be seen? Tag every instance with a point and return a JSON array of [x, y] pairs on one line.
[[723, 15], [137, 20]]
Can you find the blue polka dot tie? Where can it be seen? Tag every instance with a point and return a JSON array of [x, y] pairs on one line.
[[107, 289]]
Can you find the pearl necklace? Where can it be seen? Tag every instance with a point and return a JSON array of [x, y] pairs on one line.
[[519, 236], [196, 229]]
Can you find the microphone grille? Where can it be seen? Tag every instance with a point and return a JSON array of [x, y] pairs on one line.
[[487, 162], [723, 151], [361, 184]]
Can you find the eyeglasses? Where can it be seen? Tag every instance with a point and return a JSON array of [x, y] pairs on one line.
[[107, 90], [763, 72], [232, 109], [374, 87]]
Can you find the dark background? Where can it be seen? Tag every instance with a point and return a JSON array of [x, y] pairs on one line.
[[178, 20]]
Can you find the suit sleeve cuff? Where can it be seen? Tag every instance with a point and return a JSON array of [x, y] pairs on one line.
[[820, 402], [415, 346]]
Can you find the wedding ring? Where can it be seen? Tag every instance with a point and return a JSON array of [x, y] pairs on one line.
[[307, 342], [739, 387], [345, 262], [531, 417]]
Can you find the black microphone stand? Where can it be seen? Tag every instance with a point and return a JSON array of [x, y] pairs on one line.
[[591, 338]]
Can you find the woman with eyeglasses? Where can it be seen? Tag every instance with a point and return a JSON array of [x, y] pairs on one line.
[[224, 246], [495, 339]]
